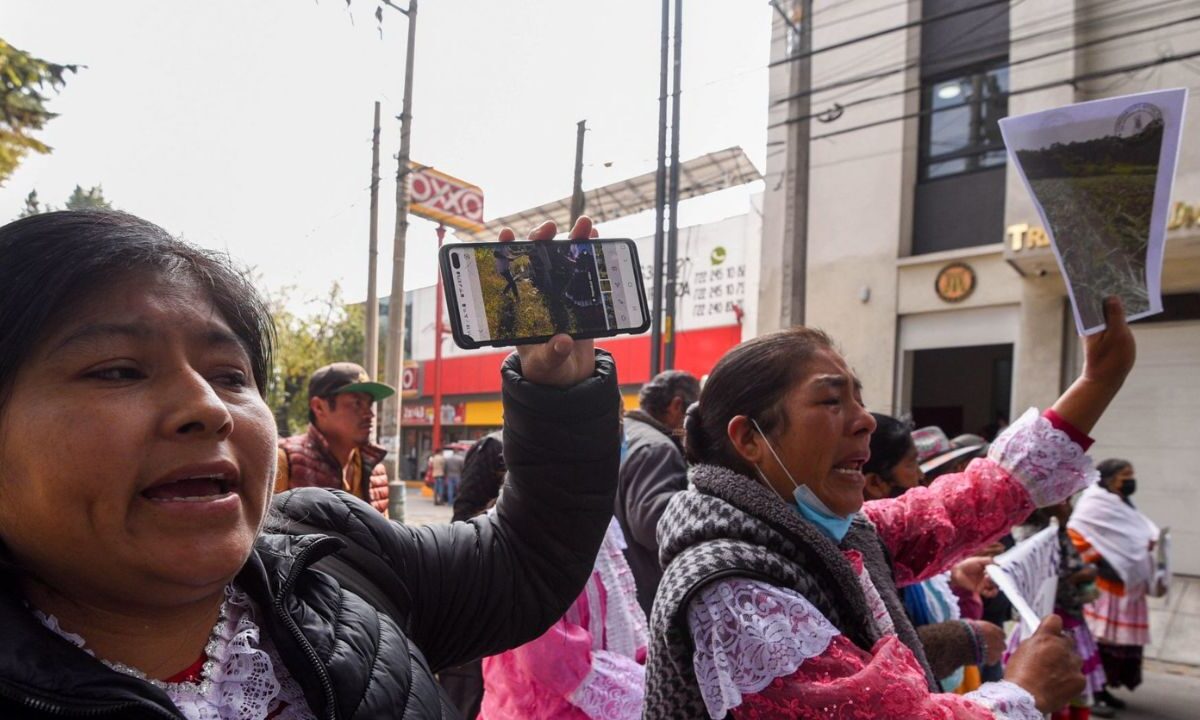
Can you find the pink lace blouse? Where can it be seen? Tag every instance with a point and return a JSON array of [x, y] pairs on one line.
[[764, 652], [588, 665]]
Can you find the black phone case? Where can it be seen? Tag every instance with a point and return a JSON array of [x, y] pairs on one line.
[[467, 343]]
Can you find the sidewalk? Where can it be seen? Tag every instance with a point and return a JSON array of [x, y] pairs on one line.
[[422, 511], [1169, 692], [1175, 625]]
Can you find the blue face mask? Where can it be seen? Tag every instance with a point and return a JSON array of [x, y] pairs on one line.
[[807, 502]]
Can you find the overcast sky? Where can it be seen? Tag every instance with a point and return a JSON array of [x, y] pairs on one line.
[[245, 125]]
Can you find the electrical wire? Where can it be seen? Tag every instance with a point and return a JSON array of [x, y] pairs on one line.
[[1022, 61], [864, 13], [912, 63], [1085, 77], [887, 31], [942, 47]]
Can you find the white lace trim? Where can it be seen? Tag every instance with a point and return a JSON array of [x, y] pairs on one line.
[[1045, 460], [242, 681], [1006, 701], [748, 633], [624, 631], [614, 688]]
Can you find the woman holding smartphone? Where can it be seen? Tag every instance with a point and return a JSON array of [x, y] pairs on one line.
[[146, 571]]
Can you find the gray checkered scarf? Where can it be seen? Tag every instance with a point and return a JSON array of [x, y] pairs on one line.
[[728, 525]]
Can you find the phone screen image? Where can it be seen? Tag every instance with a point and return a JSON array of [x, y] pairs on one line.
[[508, 293]]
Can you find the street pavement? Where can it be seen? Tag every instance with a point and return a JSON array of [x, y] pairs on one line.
[[422, 511], [1169, 692]]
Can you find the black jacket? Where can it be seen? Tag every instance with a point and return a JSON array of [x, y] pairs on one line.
[[364, 611], [652, 472], [482, 476]]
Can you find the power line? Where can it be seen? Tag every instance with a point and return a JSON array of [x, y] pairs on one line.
[[914, 62], [886, 31], [946, 45], [881, 153], [1035, 88], [1022, 61], [864, 13], [832, 5]]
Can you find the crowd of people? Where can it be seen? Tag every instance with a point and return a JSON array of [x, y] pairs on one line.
[[756, 546]]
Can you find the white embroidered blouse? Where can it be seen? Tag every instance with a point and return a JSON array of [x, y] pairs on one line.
[[244, 678]]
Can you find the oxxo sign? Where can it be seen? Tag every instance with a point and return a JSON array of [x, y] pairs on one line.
[[410, 379], [445, 199]]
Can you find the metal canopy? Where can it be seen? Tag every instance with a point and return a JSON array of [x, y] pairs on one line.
[[715, 171]]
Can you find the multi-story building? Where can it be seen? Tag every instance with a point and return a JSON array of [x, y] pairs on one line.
[[925, 258]]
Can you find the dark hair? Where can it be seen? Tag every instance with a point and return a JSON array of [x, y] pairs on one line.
[[656, 396], [891, 440], [331, 399], [751, 379], [1110, 467], [49, 262]]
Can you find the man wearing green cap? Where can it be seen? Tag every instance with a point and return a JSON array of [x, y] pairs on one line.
[[336, 452]]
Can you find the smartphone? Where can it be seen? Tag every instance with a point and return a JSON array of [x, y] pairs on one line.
[[517, 293]]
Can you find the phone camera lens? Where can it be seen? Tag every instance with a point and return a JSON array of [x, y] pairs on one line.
[[454, 260]]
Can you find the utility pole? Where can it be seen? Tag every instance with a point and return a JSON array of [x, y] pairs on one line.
[[673, 197], [660, 197], [577, 198], [394, 355], [371, 351], [795, 228], [437, 352]]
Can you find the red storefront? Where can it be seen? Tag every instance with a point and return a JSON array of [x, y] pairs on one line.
[[471, 386]]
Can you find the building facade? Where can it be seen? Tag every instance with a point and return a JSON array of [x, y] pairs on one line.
[[925, 255]]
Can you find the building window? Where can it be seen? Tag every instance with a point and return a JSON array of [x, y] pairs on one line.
[[960, 131]]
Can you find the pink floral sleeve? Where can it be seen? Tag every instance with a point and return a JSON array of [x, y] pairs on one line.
[[850, 684], [1032, 464]]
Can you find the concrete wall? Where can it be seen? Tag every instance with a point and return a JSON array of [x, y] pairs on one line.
[[766, 314], [860, 214], [995, 281]]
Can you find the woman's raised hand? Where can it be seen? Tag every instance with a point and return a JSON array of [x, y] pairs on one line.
[[562, 361], [1109, 355], [971, 575], [1108, 358]]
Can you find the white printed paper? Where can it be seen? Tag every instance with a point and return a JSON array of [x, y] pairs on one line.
[[1027, 574], [1100, 174]]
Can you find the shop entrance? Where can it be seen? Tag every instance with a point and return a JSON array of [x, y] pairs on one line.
[[963, 389]]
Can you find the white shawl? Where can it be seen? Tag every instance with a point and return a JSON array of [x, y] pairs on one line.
[[1120, 533]]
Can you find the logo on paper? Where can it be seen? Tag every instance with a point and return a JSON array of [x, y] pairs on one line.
[[1137, 118]]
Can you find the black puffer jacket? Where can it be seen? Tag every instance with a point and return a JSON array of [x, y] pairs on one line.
[[363, 611]]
